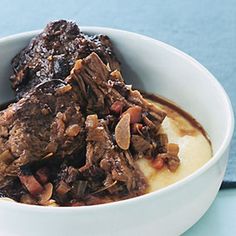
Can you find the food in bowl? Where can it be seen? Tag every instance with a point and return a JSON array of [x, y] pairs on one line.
[[78, 135], [193, 142]]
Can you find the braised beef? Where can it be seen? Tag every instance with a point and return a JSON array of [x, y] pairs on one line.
[[119, 172], [140, 144], [100, 91], [74, 136], [104, 92], [52, 54], [102, 96], [36, 127]]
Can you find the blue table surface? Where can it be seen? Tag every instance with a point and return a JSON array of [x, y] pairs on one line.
[[204, 29]]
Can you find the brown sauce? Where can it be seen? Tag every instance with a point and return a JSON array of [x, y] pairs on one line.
[[181, 112]]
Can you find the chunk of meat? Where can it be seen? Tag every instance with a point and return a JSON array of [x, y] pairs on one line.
[[119, 173], [104, 91], [101, 91], [52, 54], [37, 128], [140, 144], [62, 74]]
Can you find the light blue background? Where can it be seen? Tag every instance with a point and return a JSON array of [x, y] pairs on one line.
[[205, 29]]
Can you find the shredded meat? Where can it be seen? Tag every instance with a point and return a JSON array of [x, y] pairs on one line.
[[119, 173], [139, 144], [37, 128], [101, 89]]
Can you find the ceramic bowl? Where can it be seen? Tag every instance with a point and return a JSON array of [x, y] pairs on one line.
[[157, 68]]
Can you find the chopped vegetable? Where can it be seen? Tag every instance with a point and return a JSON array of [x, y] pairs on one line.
[[79, 188], [46, 194], [158, 163], [173, 149], [31, 184], [162, 143], [63, 188], [122, 132], [171, 161], [135, 114]]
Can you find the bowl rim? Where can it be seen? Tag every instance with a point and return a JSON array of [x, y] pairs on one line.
[[217, 155]]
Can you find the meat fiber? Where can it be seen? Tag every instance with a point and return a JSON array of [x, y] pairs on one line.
[[117, 170], [76, 130], [46, 123], [101, 89], [52, 54]]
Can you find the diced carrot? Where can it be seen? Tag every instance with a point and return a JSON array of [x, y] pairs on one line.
[[158, 163], [63, 188], [31, 184], [135, 114], [117, 107]]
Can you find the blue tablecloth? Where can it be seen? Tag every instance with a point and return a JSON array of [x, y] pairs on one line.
[[205, 29]]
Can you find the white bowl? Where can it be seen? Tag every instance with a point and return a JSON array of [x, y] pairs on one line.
[[157, 68]]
